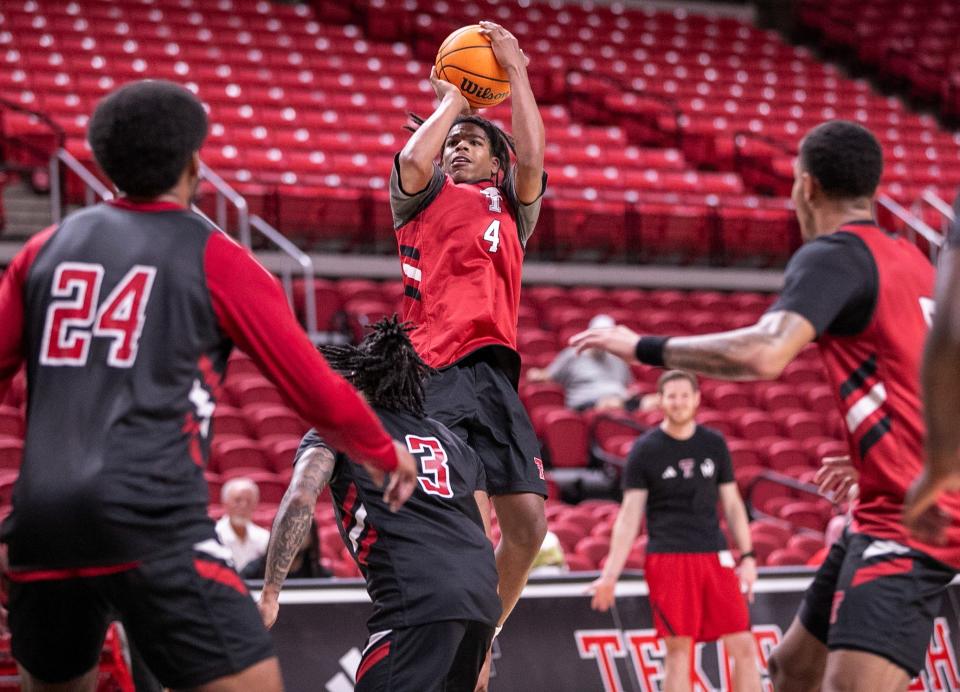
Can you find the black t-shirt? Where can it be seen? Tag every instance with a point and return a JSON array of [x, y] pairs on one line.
[[682, 478], [832, 281], [430, 561]]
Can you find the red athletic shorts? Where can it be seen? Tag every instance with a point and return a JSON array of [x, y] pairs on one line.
[[694, 595]]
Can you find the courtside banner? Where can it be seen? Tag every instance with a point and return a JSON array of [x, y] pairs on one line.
[[554, 642]]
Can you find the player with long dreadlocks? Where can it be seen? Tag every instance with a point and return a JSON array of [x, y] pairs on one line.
[[462, 227], [429, 567]]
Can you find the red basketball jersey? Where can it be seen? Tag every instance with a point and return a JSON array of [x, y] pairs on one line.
[[462, 260], [876, 377]]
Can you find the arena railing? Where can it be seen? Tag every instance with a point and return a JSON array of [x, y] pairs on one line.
[[941, 206], [787, 484], [918, 231], [95, 189], [40, 153]]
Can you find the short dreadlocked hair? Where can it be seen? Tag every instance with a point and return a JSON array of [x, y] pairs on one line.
[[384, 366], [501, 144]]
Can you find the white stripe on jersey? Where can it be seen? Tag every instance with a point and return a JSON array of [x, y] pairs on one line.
[[866, 406], [412, 272], [358, 527], [374, 638]]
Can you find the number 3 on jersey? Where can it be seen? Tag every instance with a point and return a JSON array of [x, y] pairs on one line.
[[492, 235], [73, 318], [433, 465]]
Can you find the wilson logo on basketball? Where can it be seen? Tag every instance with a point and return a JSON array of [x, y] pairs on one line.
[[486, 93]]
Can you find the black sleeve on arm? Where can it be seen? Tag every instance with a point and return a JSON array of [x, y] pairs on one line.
[[311, 440], [633, 475], [832, 282], [724, 463]]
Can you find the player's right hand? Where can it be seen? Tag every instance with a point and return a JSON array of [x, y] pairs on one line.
[[403, 479], [620, 341], [837, 479], [269, 607], [445, 89], [602, 590], [921, 514]]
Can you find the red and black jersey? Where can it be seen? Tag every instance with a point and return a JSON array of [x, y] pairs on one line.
[[125, 315], [682, 478], [430, 560], [461, 255], [874, 302]]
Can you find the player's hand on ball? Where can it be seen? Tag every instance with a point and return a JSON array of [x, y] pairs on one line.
[[620, 341], [403, 479], [269, 607], [505, 46], [445, 89], [602, 590], [921, 514], [837, 479]]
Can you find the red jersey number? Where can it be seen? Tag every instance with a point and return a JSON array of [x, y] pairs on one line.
[[433, 465], [73, 319]]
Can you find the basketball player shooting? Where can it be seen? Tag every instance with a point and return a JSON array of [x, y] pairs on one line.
[[462, 227], [866, 298]]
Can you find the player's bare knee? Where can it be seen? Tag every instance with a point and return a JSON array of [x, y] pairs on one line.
[[740, 646]]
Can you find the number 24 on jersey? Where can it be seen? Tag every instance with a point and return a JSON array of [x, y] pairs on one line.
[[74, 318]]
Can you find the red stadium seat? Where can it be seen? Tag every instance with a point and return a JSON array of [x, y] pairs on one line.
[[254, 391], [268, 421], [536, 394], [237, 455], [11, 453], [578, 563], [593, 548], [806, 543], [228, 420], [810, 515], [565, 438], [783, 557], [569, 534]]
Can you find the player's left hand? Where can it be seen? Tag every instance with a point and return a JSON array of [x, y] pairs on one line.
[[837, 479], [505, 46], [620, 341], [747, 571], [269, 606], [921, 514]]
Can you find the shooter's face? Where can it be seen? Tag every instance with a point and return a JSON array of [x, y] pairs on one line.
[[466, 154], [679, 401]]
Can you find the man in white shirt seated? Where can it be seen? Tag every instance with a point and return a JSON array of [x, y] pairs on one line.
[[245, 540]]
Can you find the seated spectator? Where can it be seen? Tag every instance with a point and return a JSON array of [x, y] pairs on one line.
[[593, 379], [305, 565], [245, 540]]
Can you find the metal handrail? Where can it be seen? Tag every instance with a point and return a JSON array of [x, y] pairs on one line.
[[942, 207], [306, 265], [225, 194], [92, 184], [915, 226]]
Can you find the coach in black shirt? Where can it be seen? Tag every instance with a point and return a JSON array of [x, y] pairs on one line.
[[678, 472]]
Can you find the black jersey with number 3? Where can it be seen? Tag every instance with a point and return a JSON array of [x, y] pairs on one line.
[[429, 561], [682, 477]]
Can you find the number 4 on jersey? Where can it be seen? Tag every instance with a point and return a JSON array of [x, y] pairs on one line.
[[492, 235], [73, 320], [433, 463]]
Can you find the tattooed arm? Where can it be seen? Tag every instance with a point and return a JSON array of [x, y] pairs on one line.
[[310, 476], [759, 352]]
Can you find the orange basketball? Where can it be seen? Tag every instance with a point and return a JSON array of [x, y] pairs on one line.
[[466, 60]]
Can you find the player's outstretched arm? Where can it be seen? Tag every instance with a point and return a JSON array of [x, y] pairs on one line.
[[252, 310], [759, 352], [625, 531], [292, 524], [417, 156], [736, 513], [941, 399], [527, 124]]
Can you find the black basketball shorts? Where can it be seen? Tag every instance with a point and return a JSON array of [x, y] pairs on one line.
[[477, 401], [436, 657], [188, 613], [876, 596]]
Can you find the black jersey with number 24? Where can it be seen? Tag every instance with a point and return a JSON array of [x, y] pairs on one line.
[[431, 560], [682, 478]]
